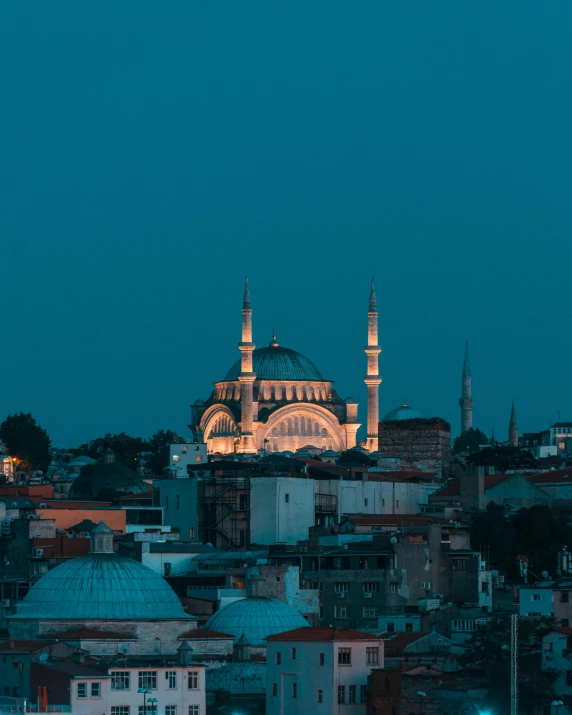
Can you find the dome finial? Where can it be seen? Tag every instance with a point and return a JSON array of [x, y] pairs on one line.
[[274, 342]]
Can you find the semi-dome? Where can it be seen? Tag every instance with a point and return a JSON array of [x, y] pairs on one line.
[[100, 586], [256, 618], [278, 363], [403, 413]]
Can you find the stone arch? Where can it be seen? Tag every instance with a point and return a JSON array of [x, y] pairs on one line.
[[219, 429], [319, 426]]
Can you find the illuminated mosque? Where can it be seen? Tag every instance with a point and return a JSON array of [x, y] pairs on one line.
[[273, 399]]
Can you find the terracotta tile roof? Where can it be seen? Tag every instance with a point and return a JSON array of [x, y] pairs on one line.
[[556, 476], [200, 634], [398, 643], [563, 629], [453, 490], [324, 634]]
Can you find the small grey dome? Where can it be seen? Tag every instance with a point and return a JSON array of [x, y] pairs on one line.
[[101, 586], [256, 618], [403, 413]]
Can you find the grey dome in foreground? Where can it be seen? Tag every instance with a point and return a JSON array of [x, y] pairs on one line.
[[403, 413], [278, 363], [256, 618], [101, 586]]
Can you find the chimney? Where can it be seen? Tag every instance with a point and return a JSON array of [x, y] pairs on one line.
[[472, 489]]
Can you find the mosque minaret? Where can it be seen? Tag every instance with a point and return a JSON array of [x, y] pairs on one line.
[[372, 379]]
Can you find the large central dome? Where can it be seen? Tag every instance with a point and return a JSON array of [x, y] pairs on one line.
[[101, 586], [278, 363]]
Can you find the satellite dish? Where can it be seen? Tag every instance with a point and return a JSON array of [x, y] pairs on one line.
[[43, 658], [125, 649], [393, 539], [545, 574]]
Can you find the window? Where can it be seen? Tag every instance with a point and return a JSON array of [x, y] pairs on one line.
[[370, 612], [370, 586], [426, 584], [320, 696], [293, 654], [382, 501], [170, 710], [321, 658], [148, 679], [278, 658], [287, 498], [193, 683], [569, 677], [341, 693], [459, 564], [192, 536], [344, 656], [194, 710], [352, 694], [365, 502], [536, 597], [82, 690], [342, 586], [372, 656], [171, 676], [340, 611], [564, 597], [96, 690], [397, 503], [393, 587], [294, 690], [409, 627], [120, 680], [274, 689], [121, 710], [362, 693], [390, 627], [564, 622]]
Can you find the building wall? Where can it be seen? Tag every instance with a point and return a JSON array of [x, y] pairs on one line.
[[539, 601], [554, 658], [518, 491], [115, 518], [283, 584], [281, 510], [178, 563], [418, 444], [178, 497], [309, 676]]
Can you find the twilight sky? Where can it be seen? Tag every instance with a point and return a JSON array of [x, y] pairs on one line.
[[155, 153]]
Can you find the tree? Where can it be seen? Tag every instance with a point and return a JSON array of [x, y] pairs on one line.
[[158, 448], [503, 459], [470, 441], [127, 450], [489, 648], [27, 442], [493, 533], [355, 458]]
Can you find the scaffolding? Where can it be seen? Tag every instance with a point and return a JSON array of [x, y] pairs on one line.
[[224, 512]]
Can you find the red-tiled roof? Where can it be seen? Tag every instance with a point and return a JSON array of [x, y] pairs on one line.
[[323, 634], [399, 642], [200, 634], [556, 476], [453, 489]]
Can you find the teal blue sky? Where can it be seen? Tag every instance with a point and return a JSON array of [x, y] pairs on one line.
[[155, 153]]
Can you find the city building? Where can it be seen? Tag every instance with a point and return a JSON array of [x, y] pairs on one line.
[[320, 669]]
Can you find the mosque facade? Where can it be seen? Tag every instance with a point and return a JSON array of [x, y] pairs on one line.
[[274, 399]]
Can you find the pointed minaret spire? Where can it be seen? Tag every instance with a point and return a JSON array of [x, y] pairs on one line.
[[372, 379], [246, 301], [466, 401], [372, 299], [246, 444], [513, 428]]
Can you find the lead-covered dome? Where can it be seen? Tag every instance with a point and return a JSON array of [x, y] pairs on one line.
[[403, 413], [256, 618], [101, 586], [278, 363]]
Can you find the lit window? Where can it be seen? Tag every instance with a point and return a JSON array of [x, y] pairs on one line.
[[193, 682], [82, 690], [344, 656]]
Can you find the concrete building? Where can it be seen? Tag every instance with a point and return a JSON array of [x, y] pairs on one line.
[[407, 440], [556, 647], [274, 399], [320, 669], [179, 500], [282, 509], [561, 437]]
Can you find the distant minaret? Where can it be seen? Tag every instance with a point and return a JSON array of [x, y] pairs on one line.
[[513, 428], [372, 379], [466, 401], [246, 378]]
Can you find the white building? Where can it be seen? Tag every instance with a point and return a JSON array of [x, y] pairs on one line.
[[185, 454], [169, 689], [319, 669]]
